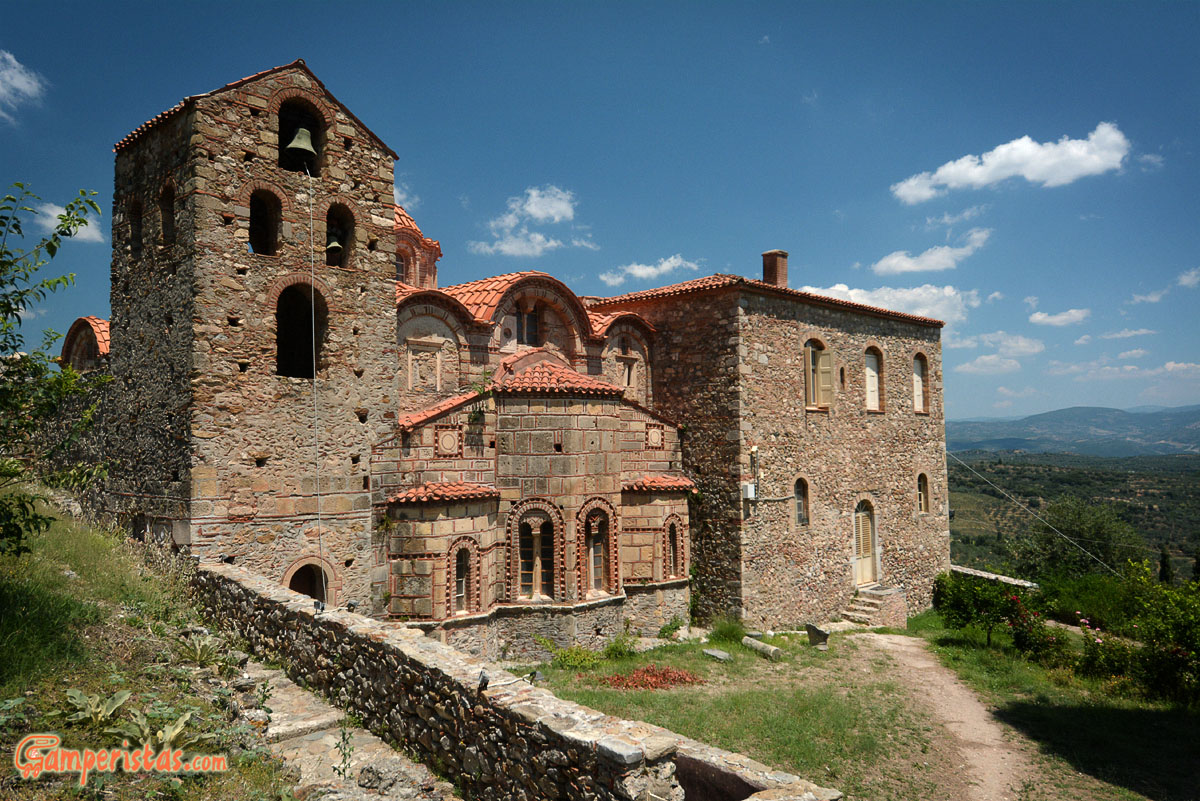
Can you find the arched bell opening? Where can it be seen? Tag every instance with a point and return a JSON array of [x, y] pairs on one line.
[[301, 137], [339, 235], [310, 580]]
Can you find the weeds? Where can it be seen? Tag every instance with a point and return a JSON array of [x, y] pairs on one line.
[[94, 709], [345, 748]]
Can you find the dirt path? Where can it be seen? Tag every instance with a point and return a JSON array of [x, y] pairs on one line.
[[997, 766]]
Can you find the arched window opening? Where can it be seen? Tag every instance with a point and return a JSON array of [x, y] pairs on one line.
[[527, 326], [800, 501], [920, 383], [864, 543], [402, 262], [166, 213], [536, 547], [265, 213], [135, 229], [923, 494], [339, 235], [297, 331], [674, 566], [462, 580], [818, 375], [597, 551], [301, 137], [873, 366], [310, 580]]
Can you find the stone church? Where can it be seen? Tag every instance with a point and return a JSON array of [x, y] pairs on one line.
[[294, 393]]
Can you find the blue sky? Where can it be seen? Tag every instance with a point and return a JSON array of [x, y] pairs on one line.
[[1028, 172]]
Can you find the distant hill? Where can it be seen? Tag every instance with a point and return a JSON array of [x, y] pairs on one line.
[[1088, 430]]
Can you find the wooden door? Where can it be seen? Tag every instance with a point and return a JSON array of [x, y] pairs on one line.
[[864, 545]]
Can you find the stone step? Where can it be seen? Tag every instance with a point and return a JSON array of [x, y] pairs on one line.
[[857, 617], [870, 603]]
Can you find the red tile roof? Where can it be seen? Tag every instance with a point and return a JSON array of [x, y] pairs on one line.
[[549, 377], [721, 281], [98, 327], [450, 491], [601, 322], [410, 421], [659, 483], [404, 220], [483, 296], [190, 100]]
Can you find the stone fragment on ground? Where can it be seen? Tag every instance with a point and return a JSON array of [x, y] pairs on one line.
[[717, 654]]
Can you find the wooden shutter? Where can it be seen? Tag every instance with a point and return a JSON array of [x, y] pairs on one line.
[[862, 535], [824, 378], [872, 371], [810, 388]]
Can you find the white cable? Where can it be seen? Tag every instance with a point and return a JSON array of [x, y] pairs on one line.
[[1035, 515], [312, 300]]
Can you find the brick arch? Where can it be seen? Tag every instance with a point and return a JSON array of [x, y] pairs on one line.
[[319, 104], [612, 569], [334, 589], [474, 582], [515, 515], [681, 531], [250, 187], [284, 281]]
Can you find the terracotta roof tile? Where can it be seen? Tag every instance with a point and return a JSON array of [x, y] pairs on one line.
[[721, 280], [483, 296], [601, 321], [190, 100], [548, 377], [410, 421], [659, 483], [100, 329], [404, 220], [403, 290], [449, 491]]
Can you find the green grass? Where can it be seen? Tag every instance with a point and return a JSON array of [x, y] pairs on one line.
[[111, 627], [1096, 727], [842, 732]]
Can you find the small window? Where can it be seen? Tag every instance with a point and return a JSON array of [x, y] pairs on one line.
[[166, 212], [920, 383], [300, 324], [597, 551], [527, 327], [800, 502], [135, 229], [537, 558], [818, 375], [301, 137], [339, 235], [462, 579], [873, 367], [265, 212], [923, 494], [674, 563]]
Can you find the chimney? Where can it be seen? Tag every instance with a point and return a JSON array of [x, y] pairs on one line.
[[775, 268]]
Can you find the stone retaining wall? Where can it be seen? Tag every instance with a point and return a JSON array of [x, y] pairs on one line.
[[510, 741]]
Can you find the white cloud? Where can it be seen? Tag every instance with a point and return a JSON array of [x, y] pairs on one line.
[[1150, 162], [1069, 317], [1190, 279], [47, 220], [948, 219], [1126, 333], [1083, 340], [404, 196], [989, 364], [941, 302], [995, 296], [765, 40], [512, 231], [1102, 370], [665, 266], [1012, 344], [18, 85], [942, 257], [1150, 297], [1027, 392], [1031, 301], [1050, 164], [1136, 353]]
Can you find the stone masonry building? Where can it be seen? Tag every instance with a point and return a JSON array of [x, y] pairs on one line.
[[293, 393]]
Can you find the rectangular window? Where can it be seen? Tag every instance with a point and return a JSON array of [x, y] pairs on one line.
[[872, 377], [597, 560]]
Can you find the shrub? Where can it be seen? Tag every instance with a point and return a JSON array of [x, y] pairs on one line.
[[964, 601], [620, 648], [1104, 655], [1111, 602], [1169, 663], [727, 629], [575, 657], [1031, 636], [668, 630]]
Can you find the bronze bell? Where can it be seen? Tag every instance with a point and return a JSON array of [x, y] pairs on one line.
[[334, 245], [302, 141]]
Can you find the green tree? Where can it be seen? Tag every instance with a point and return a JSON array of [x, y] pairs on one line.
[[33, 388], [1166, 573], [1056, 547], [964, 600]]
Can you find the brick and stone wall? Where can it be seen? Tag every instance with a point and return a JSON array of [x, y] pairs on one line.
[[510, 741]]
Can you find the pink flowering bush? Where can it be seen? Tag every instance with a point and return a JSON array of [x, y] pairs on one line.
[[1031, 636], [1104, 655]]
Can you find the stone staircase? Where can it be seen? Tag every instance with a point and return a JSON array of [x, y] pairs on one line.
[[876, 605]]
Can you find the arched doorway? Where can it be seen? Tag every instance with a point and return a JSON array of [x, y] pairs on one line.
[[310, 580]]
